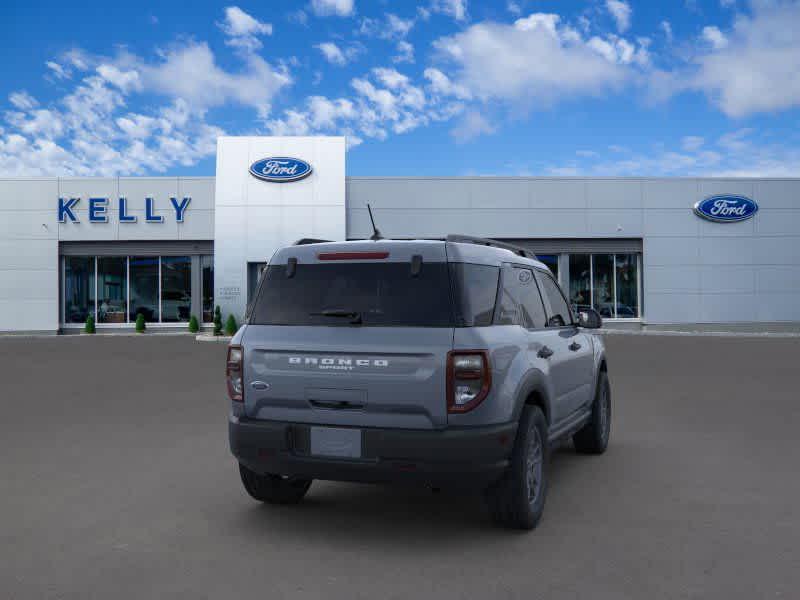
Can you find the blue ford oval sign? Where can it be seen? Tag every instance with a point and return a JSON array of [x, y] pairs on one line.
[[726, 209], [280, 169]]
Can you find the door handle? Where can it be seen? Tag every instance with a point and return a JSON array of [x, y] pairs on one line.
[[259, 385], [545, 352], [574, 346]]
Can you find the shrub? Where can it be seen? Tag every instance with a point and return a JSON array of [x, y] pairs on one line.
[[89, 327], [217, 321], [194, 327], [230, 325], [140, 325]]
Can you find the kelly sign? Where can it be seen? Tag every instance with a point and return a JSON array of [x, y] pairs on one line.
[[99, 208]]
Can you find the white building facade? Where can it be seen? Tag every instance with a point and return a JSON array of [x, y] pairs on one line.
[[168, 248]]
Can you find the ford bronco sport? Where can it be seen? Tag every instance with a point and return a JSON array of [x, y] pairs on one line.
[[454, 361]]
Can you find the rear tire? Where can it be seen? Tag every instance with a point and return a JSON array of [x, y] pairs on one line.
[[593, 437], [273, 489], [517, 500]]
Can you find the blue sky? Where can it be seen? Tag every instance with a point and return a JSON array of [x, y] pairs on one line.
[[437, 87]]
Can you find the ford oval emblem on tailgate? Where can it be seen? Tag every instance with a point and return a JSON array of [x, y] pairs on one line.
[[280, 169], [726, 209]]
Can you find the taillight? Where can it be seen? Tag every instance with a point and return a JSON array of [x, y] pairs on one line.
[[233, 373], [469, 378]]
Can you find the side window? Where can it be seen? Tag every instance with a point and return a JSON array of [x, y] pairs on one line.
[[520, 302], [475, 291], [559, 314]]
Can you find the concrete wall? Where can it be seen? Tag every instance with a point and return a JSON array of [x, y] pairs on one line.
[[28, 255], [695, 271], [253, 218]]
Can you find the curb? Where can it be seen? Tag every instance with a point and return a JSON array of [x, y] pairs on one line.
[[213, 338], [729, 334]]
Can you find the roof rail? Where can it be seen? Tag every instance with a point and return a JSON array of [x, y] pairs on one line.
[[304, 241], [468, 239]]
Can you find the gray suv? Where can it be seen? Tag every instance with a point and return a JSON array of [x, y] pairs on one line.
[[444, 362]]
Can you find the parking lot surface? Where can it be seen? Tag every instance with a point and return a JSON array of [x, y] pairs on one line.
[[116, 482]]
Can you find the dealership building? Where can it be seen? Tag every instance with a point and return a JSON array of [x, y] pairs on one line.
[[639, 250]]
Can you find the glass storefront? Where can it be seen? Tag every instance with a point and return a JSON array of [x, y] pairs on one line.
[[116, 289], [112, 289], [207, 271], [176, 289], [144, 288], [609, 283], [79, 288]]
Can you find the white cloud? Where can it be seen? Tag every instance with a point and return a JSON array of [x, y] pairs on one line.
[[91, 130], [405, 53], [735, 154], [536, 60], [22, 100], [339, 8], [692, 143], [727, 3], [514, 8], [58, 70], [666, 27], [385, 101], [441, 84], [398, 27], [243, 29], [473, 124], [758, 70], [336, 55], [715, 37], [621, 11], [453, 8]]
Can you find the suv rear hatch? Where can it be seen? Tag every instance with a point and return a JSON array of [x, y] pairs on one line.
[[351, 334]]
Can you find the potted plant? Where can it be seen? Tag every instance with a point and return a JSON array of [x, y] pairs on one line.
[[217, 321], [230, 325], [140, 325], [89, 327], [194, 327]]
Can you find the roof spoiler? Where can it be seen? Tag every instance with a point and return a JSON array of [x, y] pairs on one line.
[[306, 241], [468, 239]]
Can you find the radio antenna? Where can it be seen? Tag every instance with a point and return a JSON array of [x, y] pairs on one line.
[[376, 235]]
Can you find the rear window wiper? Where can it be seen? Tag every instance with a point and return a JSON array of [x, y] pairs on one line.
[[354, 316]]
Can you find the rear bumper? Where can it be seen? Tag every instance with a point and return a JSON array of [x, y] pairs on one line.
[[473, 456]]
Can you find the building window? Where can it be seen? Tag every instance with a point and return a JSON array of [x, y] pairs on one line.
[[207, 269], [78, 288], [176, 289], [551, 260], [627, 285], [117, 289], [144, 288], [580, 280], [112, 289], [609, 283]]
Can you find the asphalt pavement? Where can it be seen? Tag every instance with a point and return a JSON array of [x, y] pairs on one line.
[[116, 482]]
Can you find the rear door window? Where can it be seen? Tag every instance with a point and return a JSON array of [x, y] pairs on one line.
[[475, 291], [520, 302], [380, 294]]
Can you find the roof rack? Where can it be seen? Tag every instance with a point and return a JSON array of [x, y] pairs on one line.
[[305, 241], [468, 239]]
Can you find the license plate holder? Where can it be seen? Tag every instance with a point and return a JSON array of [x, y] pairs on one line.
[[335, 442]]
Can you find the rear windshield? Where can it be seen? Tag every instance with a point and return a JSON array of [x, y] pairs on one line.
[[367, 294]]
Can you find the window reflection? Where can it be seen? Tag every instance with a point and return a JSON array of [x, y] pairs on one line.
[[78, 288], [176, 289], [627, 286], [207, 266], [603, 284], [144, 288], [580, 285], [112, 286]]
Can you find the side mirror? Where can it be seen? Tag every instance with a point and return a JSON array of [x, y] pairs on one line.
[[589, 318]]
